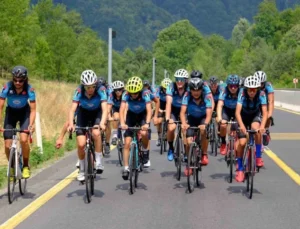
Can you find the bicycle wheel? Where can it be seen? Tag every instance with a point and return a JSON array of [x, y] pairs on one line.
[[162, 140], [120, 151], [231, 158], [132, 168], [191, 165], [11, 177], [247, 170], [103, 137], [211, 136], [178, 158], [251, 172], [216, 138], [22, 182], [88, 177]]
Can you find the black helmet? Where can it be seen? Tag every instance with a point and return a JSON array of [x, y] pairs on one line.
[[196, 74], [19, 72], [146, 83], [213, 80], [101, 80], [195, 83], [242, 79]]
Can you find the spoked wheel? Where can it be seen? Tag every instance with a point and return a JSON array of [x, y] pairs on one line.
[[250, 177], [216, 139], [89, 176], [231, 161], [132, 169], [192, 168], [11, 177], [178, 158]]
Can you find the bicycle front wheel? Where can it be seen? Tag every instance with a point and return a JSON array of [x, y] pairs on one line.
[[178, 158], [251, 172], [22, 182], [11, 176], [89, 176], [192, 168], [120, 151], [132, 168]]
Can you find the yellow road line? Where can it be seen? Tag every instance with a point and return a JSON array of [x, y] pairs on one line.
[[283, 109], [35, 205], [288, 170]]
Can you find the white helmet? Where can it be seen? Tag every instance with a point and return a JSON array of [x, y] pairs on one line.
[[252, 82], [117, 84], [262, 75], [88, 77], [182, 73]]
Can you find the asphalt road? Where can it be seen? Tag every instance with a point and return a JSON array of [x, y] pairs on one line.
[[162, 202]]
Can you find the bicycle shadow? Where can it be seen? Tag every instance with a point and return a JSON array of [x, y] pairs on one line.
[[18, 196], [223, 176], [170, 174], [184, 185], [82, 193], [113, 162], [126, 187], [241, 190]]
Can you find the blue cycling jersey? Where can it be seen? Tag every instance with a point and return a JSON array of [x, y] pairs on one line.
[[137, 105], [218, 92], [112, 99], [251, 106], [161, 94], [15, 100], [196, 110], [229, 100], [92, 103], [268, 89]]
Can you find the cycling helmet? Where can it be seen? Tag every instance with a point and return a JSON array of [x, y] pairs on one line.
[[195, 83], [134, 85], [262, 75], [213, 80], [242, 79], [117, 84], [146, 83], [19, 72], [88, 77], [181, 73], [166, 82], [101, 80], [232, 79], [252, 82], [196, 74]]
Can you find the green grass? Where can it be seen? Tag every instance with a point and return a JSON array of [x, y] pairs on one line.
[[37, 159]]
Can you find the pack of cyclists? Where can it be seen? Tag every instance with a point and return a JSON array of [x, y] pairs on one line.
[[188, 101]]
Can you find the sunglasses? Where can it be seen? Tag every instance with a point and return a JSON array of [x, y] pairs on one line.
[[118, 90], [89, 87], [252, 89], [18, 81], [134, 93], [233, 86], [180, 79]]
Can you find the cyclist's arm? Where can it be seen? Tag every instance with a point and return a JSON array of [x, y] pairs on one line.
[[72, 112], [32, 113], [64, 130], [109, 108], [104, 112], [2, 102], [219, 109], [270, 104], [238, 115], [182, 114], [157, 104], [169, 101], [264, 116], [208, 115], [122, 113], [149, 113]]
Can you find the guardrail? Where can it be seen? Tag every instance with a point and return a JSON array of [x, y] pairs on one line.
[[288, 99]]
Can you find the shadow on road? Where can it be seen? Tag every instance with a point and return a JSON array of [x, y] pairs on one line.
[[126, 186], [170, 174], [82, 192], [17, 195], [113, 162], [240, 190], [223, 176]]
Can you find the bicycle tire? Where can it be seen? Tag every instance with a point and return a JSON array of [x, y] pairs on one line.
[[247, 170], [11, 184], [139, 168], [231, 158], [22, 182], [132, 169], [161, 137], [211, 140], [216, 138], [191, 165], [120, 151], [87, 169], [178, 158], [251, 173]]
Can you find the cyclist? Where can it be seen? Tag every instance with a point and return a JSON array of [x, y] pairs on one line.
[[215, 89], [91, 102], [251, 101], [198, 108], [226, 107], [175, 92], [242, 79], [114, 103], [18, 92], [147, 86], [139, 113], [269, 91], [161, 94], [196, 74]]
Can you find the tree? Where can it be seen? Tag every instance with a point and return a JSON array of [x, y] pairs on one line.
[[239, 31]]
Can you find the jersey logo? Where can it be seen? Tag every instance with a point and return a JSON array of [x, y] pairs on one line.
[[24, 93], [32, 89]]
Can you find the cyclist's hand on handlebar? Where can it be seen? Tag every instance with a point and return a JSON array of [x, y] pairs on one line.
[[243, 129], [145, 127], [171, 121], [185, 126], [124, 126], [155, 120], [202, 127], [31, 129], [102, 126], [262, 130], [110, 119]]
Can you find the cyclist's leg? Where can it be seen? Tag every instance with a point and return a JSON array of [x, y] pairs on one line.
[[255, 125], [10, 122], [223, 130], [95, 118], [159, 127], [189, 140], [116, 116], [171, 134], [204, 141]]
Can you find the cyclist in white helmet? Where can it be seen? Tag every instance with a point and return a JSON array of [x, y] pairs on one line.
[[175, 93], [269, 90], [92, 111], [114, 103], [251, 113]]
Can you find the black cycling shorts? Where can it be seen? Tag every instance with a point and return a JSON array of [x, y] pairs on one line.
[[133, 119], [194, 122], [115, 110], [248, 119], [12, 116], [87, 118]]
